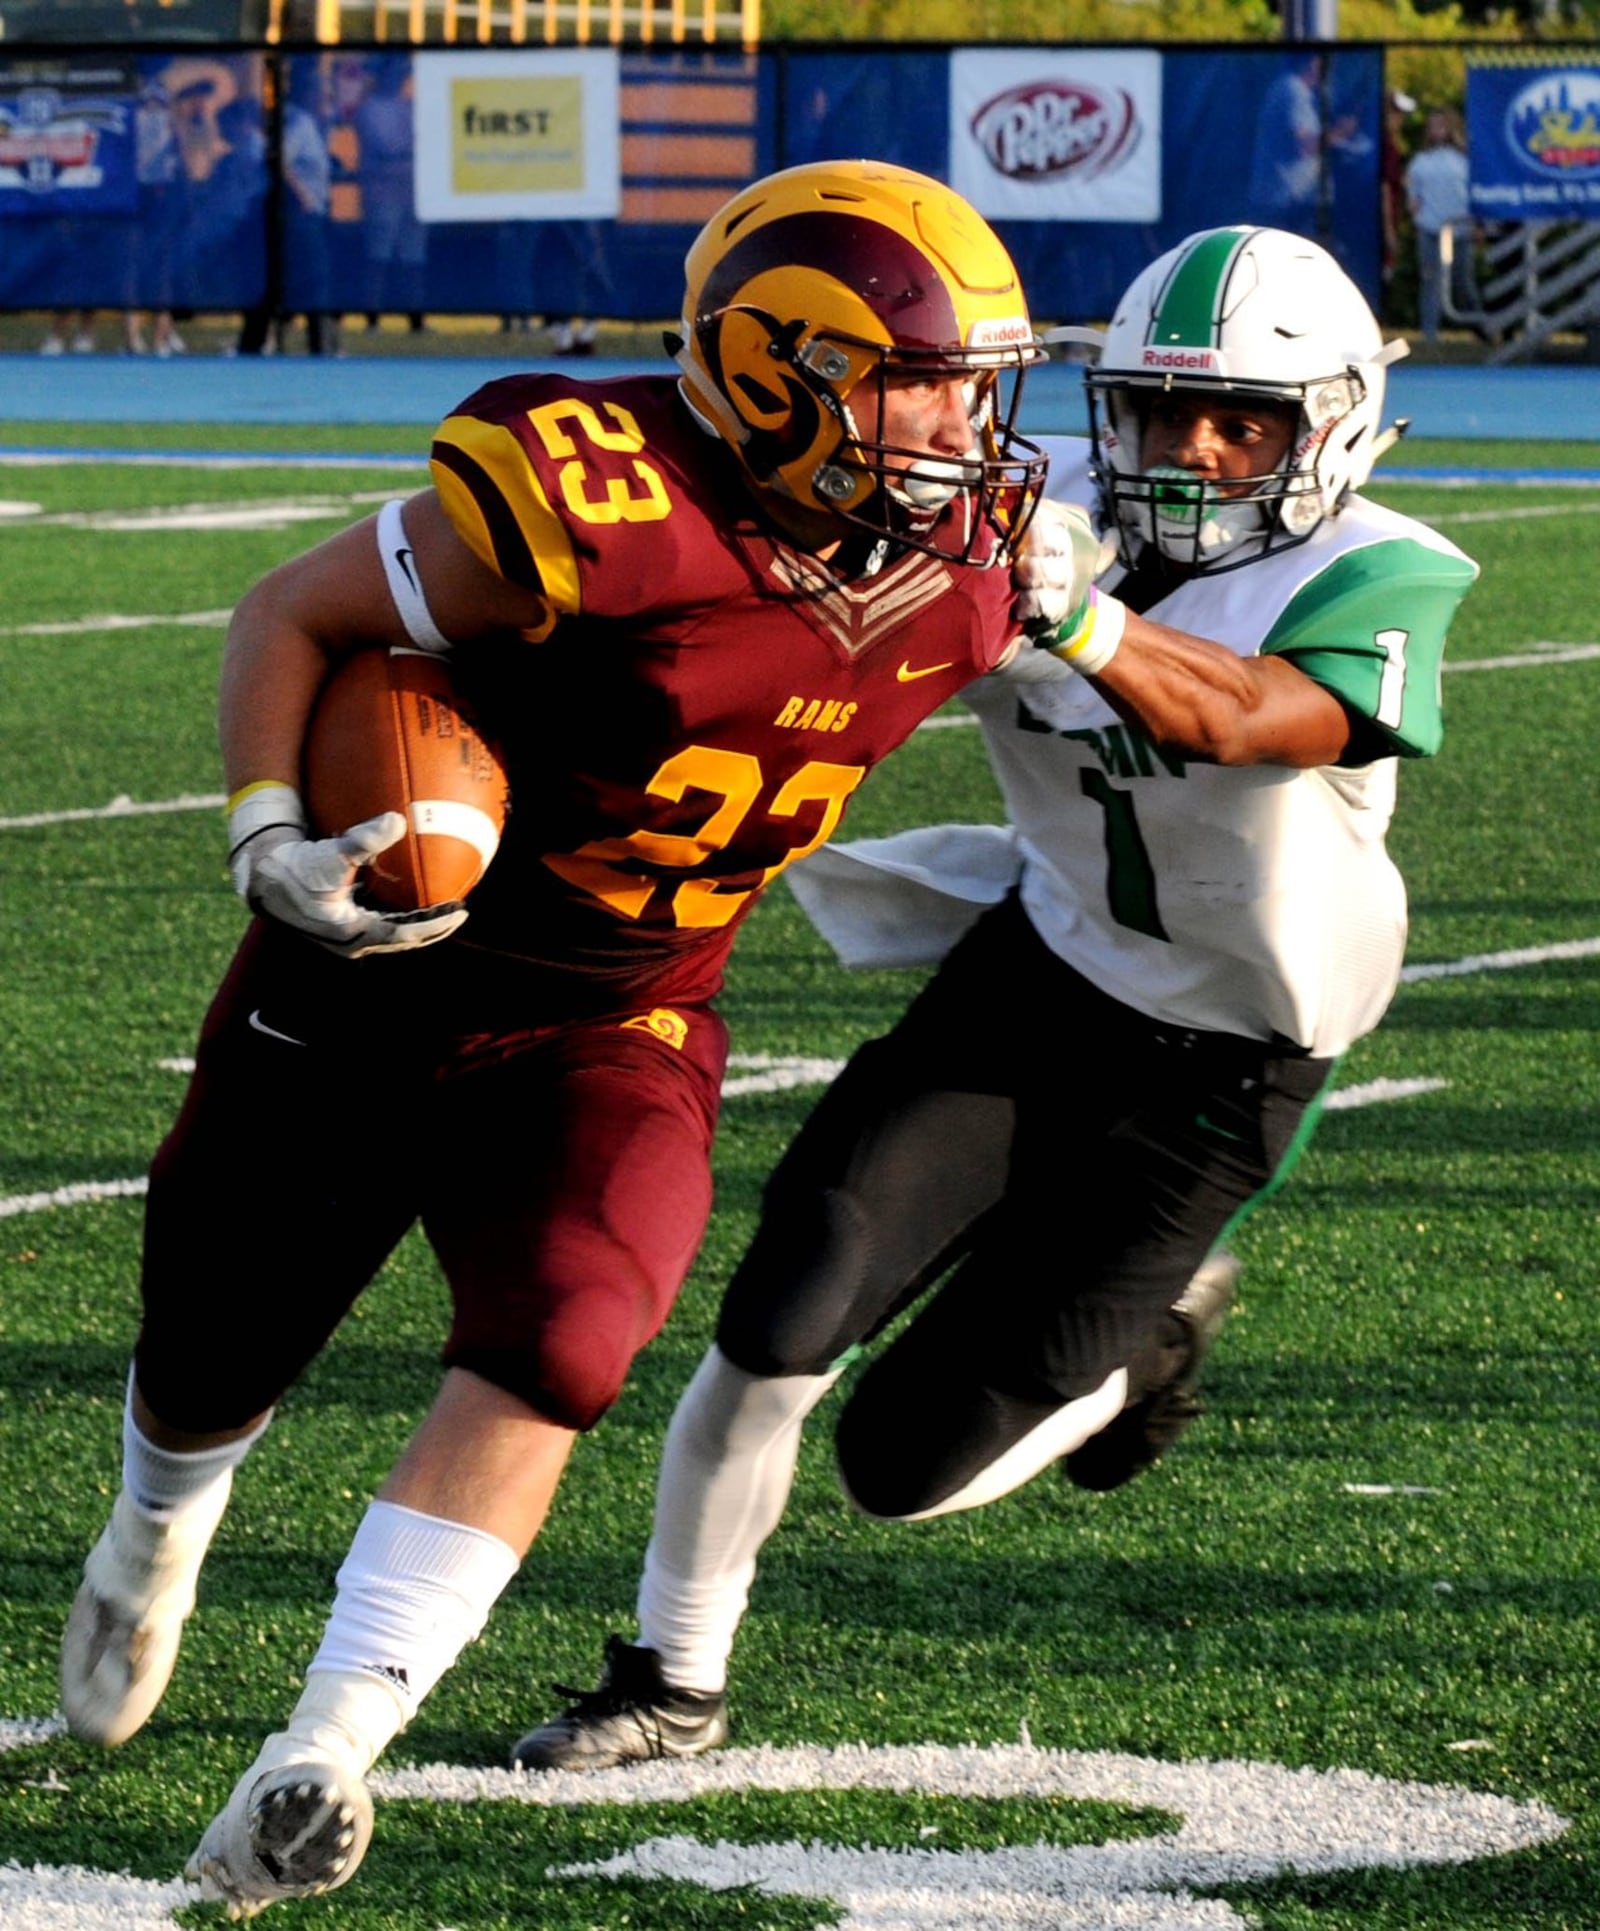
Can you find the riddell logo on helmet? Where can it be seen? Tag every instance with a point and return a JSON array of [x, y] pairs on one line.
[[1308, 446], [999, 333], [1203, 359]]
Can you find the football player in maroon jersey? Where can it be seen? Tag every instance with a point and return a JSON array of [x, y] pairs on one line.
[[696, 609]]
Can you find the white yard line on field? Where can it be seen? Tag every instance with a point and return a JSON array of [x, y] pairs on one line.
[[747, 1073], [265, 513], [1374, 1092], [1228, 1822], [1520, 515], [1541, 653], [1502, 961], [201, 459], [92, 626], [244, 516], [79, 1194], [123, 807]]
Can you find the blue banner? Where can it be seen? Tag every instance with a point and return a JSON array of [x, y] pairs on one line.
[[67, 138], [177, 217], [194, 199], [1533, 139]]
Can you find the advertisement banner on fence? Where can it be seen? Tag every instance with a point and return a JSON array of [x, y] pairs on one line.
[[67, 137], [518, 136], [1057, 134], [1533, 141]]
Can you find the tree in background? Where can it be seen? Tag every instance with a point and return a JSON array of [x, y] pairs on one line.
[[1130, 20]]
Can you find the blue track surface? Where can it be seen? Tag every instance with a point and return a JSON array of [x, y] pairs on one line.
[[1553, 402]]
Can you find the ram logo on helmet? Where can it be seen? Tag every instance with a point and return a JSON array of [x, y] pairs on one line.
[[807, 297]]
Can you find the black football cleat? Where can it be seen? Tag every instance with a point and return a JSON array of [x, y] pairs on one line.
[[632, 1717], [1153, 1420]]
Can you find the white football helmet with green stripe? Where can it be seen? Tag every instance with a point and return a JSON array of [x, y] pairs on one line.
[[1255, 313]]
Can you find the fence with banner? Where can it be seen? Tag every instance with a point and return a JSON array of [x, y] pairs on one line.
[[1533, 138], [1533, 135], [571, 180]]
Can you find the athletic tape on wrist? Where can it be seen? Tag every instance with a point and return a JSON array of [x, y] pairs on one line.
[[400, 568], [1093, 641], [253, 807]]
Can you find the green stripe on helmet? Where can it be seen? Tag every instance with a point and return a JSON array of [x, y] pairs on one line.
[[1190, 303]]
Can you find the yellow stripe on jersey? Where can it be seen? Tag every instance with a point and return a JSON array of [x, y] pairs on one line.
[[493, 496]]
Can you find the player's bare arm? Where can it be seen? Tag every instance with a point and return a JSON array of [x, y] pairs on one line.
[[1223, 449], [336, 598], [286, 634], [1193, 696]]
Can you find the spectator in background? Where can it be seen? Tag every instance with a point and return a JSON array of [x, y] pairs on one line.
[[229, 209], [195, 125], [1286, 170], [572, 335], [162, 182], [1437, 194], [1392, 177], [308, 188], [587, 253], [70, 328], [396, 242]]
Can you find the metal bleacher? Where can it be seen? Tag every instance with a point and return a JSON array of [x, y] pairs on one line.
[[512, 23], [1537, 279]]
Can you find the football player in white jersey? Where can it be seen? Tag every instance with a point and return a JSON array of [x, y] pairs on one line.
[[1147, 977]]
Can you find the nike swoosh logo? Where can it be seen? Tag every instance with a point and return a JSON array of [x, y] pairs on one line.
[[1222, 1132], [906, 675], [403, 558], [258, 1024]]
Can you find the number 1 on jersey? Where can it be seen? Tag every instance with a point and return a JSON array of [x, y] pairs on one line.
[[1130, 877]]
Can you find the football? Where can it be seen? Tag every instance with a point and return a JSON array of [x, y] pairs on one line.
[[390, 732]]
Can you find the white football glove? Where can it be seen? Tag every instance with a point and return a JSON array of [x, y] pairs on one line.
[[1060, 558], [309, 883]]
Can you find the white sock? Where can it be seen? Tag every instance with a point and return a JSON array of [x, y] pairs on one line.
[[347, 1715], [413, 1592], [726, 1471], [166, 1485]]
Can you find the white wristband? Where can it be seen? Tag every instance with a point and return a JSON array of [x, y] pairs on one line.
[[1092, 644]]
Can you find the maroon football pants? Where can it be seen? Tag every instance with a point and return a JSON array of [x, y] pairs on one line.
[[559, 1167]]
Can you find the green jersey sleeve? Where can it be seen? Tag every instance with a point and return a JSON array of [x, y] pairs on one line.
[[1371, 628]]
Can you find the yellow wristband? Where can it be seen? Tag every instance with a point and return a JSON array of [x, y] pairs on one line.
[[258, 784]]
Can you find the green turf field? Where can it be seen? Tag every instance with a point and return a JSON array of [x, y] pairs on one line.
[[1334, 1664]]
